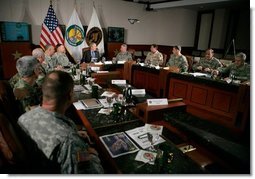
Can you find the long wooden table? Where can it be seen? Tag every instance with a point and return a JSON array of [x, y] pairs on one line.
[[215, 100], [100, 124]]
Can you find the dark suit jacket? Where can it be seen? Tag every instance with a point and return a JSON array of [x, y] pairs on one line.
[[86, 56]]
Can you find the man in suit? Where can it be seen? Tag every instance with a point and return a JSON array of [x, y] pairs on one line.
[[91, 55]]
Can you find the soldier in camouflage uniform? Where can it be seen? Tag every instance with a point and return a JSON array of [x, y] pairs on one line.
[[49, 52], [54, 133], [28, 69], [45, 67], [60, 56], [239, 70], [14, 80], [154, 57], [207, 64], [178, 60], [123, 55]]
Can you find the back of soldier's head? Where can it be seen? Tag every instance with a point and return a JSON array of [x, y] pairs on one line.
[[57, 85], [241, 55], [38, 53], [26, 66]]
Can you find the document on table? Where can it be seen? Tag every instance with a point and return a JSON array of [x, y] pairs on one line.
[[118, 144], [139, 135]]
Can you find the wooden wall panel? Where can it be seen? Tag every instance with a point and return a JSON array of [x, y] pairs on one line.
[[199, 95], [222, 101], [140, 79], [153, 83], [178, 89], [10, 53]]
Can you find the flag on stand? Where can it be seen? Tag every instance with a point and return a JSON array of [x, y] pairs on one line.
[[51, 33], [74, 38], [95, 33]]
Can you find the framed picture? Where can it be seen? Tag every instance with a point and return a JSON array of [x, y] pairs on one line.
[[115, 34]]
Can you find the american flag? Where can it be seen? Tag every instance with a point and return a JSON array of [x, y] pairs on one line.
[[51, 33]]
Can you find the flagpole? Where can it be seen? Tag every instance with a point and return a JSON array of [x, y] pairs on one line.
[[94, 4], [75, 5], [50, 2]]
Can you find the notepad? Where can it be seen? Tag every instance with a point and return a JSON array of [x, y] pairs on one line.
[[91, 103]]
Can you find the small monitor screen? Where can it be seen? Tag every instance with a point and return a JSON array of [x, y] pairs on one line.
[[15, 31]]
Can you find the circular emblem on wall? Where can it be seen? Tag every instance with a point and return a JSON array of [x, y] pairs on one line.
[[94, 35], [75, 35]]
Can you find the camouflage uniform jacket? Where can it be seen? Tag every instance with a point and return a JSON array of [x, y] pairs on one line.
[[154, 58], [61, 59], [240, 73], [53, 131], [180, 62], [14, 80], [124, 56], [33, 97], [52, 62], [213, 63]]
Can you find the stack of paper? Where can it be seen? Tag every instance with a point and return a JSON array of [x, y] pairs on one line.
[[139, 135]]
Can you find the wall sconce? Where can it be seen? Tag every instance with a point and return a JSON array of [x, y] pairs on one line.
[[132, 21]]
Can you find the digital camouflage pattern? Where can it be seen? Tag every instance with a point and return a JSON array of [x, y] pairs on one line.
[[124, 56], [240, 73], [154, 58], [213, 63], [52, 63], [180, 62], [53, 131], [61, 59]]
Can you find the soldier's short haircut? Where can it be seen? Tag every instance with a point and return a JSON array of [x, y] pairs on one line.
[[178, 47], [57, 46], [57, 85], [26, 65], [48, 46], [241, 55], [124, 45], [210, 49], [154, 46], [37, 52]]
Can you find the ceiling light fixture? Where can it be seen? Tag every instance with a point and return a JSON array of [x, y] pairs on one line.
[[133, 21]]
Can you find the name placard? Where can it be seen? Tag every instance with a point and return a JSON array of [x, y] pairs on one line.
[[121, 62], [119, 82], [95, 68], [157, 102], [108, 62], [138, 92], [102, 71]]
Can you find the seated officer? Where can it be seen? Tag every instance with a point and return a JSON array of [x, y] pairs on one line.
[[91, 55], [239, 70], [26, 90], [178, 60], [207, 64], [60, 57], [45, 67], [49, 52], [123, 55], [154, 57], [55, 134]]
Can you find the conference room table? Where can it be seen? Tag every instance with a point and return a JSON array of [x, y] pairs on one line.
[[172, 160]]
